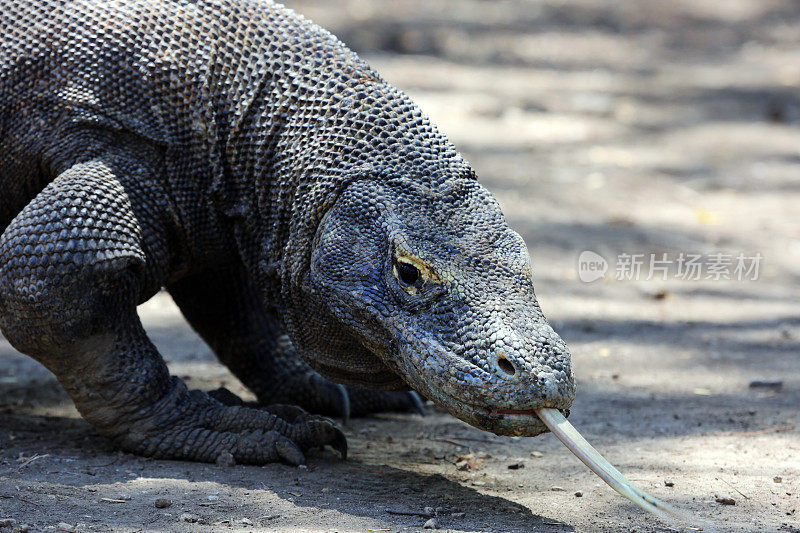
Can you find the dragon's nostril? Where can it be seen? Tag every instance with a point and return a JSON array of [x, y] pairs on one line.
[[506, 366]]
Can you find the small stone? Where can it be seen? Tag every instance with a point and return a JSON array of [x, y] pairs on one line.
[[578, 494], [226, 459], [429, 511], [63, 526], [777, 479], [7, 522], [669, 483], [431, 524], [188, 517], [516, 466], [162, 503], [22, 528], [462, 465], [458, 515], [725, 500], [537, 454], [246, 522], [557, 489], [213, 497], [479, 483]]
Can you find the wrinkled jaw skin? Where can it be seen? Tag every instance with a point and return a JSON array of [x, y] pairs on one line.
[[432, 281], [506, 405]]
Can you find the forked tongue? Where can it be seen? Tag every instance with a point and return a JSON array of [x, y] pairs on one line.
[[584, 451]]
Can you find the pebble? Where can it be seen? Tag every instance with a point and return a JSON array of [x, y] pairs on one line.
[[537, 454], [725, 500], [162, 503], [669, 483], [661, 294], [458, 515], [431, 524], [7, 522], [516, 466], [226, 459], [777, 479], [578, 494], [63, 526], [213, 497], [429, 511], [22, 528], [462, 465], [246, 522], [557, 489], [188, 517]]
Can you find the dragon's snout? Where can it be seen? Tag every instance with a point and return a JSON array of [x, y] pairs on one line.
[[497, 381]]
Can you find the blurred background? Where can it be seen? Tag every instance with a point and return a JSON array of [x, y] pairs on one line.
[[649, 129], [644, 133]]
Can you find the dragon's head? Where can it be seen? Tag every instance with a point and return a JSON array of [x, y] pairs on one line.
[[429, 283]]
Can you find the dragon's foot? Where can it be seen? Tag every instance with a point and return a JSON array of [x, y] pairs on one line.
[[193, 425], [316, 394]]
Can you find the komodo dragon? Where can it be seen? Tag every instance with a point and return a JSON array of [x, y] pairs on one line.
[[305, 215]]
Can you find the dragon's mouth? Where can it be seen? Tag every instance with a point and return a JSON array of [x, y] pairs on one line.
[[521, 412], [525, 422]]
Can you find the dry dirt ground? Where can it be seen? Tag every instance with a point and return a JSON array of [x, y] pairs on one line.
[[618, 127]]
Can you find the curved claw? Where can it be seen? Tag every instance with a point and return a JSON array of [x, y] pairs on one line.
[[340, 444], [416, 400], [343, 405]]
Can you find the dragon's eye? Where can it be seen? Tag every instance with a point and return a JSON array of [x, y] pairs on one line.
[[407, 273]]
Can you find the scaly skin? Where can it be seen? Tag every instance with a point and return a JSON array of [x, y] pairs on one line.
[[303, 213]]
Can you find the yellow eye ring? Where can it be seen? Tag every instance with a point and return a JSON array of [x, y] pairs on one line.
[[411, 271]]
